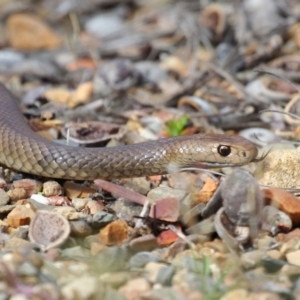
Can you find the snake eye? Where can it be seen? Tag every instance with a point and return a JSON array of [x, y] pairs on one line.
[[224, 150]]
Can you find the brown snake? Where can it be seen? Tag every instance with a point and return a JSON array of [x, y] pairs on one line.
[[23, 150]]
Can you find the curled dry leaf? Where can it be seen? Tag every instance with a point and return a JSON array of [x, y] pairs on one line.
[[198, 104], [267, 89], [92, 132], [232, 243], [214, 18], [259, 136], [242, 200], [48, 229], [286, 66], [293, 107]]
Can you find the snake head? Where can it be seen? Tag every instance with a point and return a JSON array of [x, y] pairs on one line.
[[216, 150]]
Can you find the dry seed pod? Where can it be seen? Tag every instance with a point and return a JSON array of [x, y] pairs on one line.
[[48, 229]]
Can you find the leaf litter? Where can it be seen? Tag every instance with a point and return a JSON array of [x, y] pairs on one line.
[[108, 73]]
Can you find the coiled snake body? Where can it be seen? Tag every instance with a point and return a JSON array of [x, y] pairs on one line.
[[23, 150]]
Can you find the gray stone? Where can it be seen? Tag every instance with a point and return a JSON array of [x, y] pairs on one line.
[[140, 259], [101, 219], [165, 275]]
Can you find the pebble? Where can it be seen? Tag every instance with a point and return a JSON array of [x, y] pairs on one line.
[[93, 207], [280, 168], [167, 237], [146, 242], [166, 192], [80, 203], [97, 248], [252, 259], [274, 254], [186, 261], [167, 294], [166, 209], [75, 190], [101, 219], [27, 269], [4, 198], [20, 215], [140, 259], [17, 243], [21, 232], [288, 207], [139, 185], [165, 275], [263, 296], [289, 270], [293, 258], [115, 233], [84, 287], [40, 205], [68, 212], [266, 242], [40, 199], [291, 245], [135, 288], [6, 209], [93, 238], [152, 270], [52, 188], [235, 294], [80, 228], [187, 282], [185, 181], [111, 259], [115, 279], [17, 194], [112, 294], [126, 209], [31, 186]]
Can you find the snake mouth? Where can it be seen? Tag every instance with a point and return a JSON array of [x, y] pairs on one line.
[[208, 164], [220, 165]]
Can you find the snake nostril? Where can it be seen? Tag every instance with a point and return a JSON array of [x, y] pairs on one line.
[[224, 150]]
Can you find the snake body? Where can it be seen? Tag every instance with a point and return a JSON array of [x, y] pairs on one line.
[[23, 150]]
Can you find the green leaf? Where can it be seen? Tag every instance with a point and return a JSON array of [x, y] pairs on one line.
[[175, 127]]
